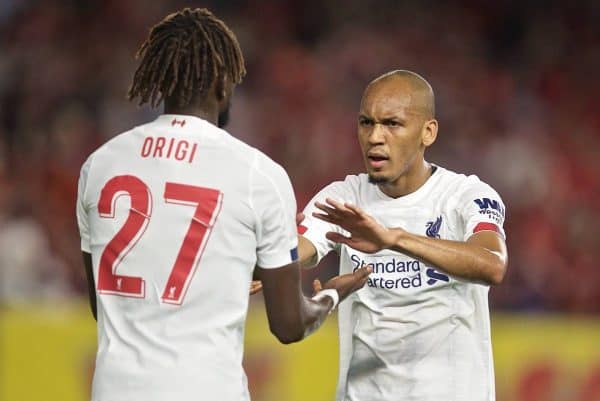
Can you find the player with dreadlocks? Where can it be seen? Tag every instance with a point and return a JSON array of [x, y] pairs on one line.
[[187, 55], [174, 215]]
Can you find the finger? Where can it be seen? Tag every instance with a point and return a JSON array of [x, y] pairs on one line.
[[327, 209], [325, 217], [338, 206], [364, 271], [299, 218], [255, 287], [317, 286], [337, 237], [355, 209], [334, 208], [360, 282]]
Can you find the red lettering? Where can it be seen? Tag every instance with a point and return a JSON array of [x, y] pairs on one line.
[[193, 152], [160, 144], [171, 142], [147, 146], [178, 149], [179, 152]]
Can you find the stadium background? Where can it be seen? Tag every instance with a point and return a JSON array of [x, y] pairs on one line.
[[517, 99]]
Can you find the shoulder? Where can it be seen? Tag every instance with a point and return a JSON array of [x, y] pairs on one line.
[[458, 185], [268, 180], [91, 164], [262, 166], [450, 179], [106, 149], [346, 189], [469, 194], [472, 187], [255, 160]]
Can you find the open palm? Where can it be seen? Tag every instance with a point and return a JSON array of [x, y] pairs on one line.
[[366, 234]]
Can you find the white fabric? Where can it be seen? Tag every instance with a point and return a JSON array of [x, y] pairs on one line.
[[411, 333], [149, 349], [331, 293]]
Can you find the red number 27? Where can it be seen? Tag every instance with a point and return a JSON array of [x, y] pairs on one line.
[[208, 204]]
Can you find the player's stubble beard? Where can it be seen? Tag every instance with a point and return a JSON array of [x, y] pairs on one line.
[[377, 180], [373, 179]]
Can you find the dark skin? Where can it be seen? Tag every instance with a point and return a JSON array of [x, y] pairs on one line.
[[89, 274], [291, 315]]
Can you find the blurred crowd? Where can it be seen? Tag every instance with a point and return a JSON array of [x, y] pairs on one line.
[[517, 98]]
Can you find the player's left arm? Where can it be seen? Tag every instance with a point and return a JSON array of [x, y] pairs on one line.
[[89, 273], [482, 257]]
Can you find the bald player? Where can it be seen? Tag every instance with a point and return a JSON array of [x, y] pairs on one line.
[[420, 329]]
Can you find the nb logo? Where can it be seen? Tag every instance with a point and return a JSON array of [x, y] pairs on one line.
[[176, 121]]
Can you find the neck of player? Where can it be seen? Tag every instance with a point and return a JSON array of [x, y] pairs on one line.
[[208, 109], [410, 181]]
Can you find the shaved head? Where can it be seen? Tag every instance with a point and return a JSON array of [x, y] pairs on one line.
[[406, 83], [396, 123]]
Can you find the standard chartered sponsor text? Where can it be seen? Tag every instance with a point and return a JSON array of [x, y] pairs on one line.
[[410, 271]]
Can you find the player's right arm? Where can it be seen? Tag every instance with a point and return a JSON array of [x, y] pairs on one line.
[[82, 222], [291, 315]]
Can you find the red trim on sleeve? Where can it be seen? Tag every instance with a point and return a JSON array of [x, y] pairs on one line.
[[486, 227], [302, 229]]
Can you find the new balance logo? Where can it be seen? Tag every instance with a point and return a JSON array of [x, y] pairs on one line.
[[433, 228], [176, 121], [486, 203]]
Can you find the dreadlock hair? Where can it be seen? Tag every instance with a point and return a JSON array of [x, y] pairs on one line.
[[183, 55]]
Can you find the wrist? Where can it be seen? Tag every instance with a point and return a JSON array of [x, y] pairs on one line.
[[329, 293], [393, 238]]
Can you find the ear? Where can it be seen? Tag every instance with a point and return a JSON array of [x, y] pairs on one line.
[[429, 132]]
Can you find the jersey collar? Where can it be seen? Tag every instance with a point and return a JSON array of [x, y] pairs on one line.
[[416, 194]]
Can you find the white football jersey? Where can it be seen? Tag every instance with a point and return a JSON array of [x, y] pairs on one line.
[[413, 333], [176, 213]]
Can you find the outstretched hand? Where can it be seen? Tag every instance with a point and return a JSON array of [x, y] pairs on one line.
[[366, 234], [346, 284]]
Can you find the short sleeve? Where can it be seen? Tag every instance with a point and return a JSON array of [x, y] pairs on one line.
[[274, 204], [82, 210], [314, 229], [482, 209]]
